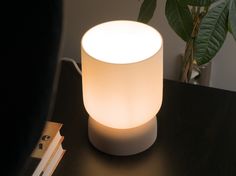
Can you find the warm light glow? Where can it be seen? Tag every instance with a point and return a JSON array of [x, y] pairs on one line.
[[122, 68], [121, 42]]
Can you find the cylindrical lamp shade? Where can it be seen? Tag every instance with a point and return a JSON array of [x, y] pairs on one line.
[[122, 78]]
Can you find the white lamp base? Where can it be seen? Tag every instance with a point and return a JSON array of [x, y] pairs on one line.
[[122, 141]]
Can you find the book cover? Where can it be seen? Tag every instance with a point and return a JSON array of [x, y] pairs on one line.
[[51, 134]]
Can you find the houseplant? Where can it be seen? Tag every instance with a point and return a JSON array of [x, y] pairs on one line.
[[202, 24]]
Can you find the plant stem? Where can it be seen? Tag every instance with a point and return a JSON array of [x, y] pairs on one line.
[[188, 58], [187, 62]]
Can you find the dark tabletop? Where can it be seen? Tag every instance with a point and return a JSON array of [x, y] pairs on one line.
[[196, 134]]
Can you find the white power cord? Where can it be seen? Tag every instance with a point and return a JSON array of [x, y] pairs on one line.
[[74, 63]]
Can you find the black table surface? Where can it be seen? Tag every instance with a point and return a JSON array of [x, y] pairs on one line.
[[196, 134]]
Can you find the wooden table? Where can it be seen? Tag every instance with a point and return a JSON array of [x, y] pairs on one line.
[[196, 134]]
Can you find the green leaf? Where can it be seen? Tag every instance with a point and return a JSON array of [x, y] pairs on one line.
[[212, 33], [146, 11], [197, 2], [179, 18], [232, 18]]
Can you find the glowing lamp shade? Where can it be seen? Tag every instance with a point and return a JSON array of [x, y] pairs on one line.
[[122, 78]]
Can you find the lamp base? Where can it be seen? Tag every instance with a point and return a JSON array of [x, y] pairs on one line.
[[122, 141]]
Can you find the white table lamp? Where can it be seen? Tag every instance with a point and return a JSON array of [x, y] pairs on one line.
[[122, 78]]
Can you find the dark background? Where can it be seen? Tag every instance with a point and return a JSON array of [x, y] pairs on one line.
[[30, 40]]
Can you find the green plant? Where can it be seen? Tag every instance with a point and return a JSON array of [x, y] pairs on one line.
[[202, 24]]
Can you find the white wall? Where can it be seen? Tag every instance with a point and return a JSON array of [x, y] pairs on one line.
[[173, 45], [223, 73], [80, 15]]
